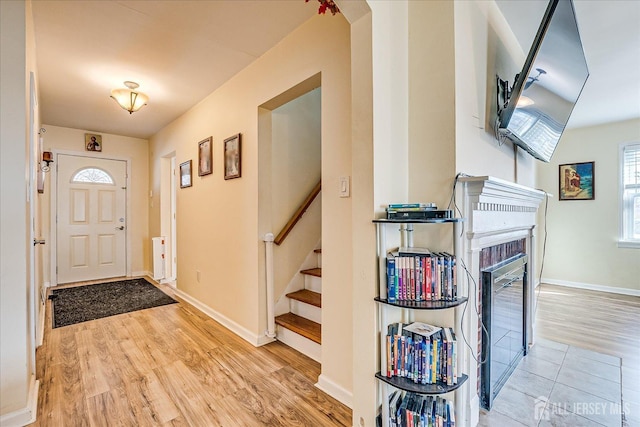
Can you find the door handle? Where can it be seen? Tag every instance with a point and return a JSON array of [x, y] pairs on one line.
[[120, 228], [38, 242]]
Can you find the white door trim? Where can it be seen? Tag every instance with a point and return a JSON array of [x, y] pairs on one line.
[[32, 198], [167, 207], [54, 204]]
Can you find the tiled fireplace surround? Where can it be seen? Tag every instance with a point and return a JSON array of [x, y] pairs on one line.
[[496, 212]]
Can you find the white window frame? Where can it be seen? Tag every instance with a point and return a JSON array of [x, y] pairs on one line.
[[625, 206], [74, 179]]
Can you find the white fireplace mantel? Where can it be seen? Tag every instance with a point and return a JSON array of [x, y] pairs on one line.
[[491, 190], [495, 211]]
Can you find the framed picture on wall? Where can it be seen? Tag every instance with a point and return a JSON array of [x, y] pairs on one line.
[[205, 157], [185, 174], [232, 157], [577, 181], [92, 142]]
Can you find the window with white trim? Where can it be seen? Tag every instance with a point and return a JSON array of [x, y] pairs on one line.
[[630, 198], [92, 176]]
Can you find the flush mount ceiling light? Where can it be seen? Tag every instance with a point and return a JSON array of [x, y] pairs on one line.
[[524, 101], [129, 99]]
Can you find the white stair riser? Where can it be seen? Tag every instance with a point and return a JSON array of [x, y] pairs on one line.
[[307, 311], [313, 283], [320, 260], [300, 343]]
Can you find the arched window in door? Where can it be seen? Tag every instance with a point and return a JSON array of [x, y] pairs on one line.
[[92, 175]]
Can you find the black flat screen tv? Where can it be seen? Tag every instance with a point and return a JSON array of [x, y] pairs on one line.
[[549, 85]]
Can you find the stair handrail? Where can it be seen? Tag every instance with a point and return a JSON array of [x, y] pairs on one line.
[[298, 214]]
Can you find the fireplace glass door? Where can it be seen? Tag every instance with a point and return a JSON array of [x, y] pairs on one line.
[[503, 313]]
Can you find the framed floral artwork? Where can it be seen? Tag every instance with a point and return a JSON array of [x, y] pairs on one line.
[[205, 157], [185, 174], [232, 157]]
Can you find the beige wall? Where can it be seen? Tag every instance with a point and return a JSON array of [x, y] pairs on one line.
[[432, 113], [217, 220], [18, 314], [431, 89], [582, 235], [68, 140], [485, 46], [295, 154], [295, 170], [364, 262]]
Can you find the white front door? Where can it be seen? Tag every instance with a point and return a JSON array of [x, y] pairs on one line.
[[91, 218]]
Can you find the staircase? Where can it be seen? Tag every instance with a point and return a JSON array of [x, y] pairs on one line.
[[301, 327]]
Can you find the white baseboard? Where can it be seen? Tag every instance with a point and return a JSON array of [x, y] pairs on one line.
[[593, 287], [26, 415], [42, 316], [339, 393], [168, 282], [47, 284], [241, 331], [474, 416], [141, 274]]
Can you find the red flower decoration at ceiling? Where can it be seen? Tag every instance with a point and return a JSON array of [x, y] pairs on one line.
[[326, 5]]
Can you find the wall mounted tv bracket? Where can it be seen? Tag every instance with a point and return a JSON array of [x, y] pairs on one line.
[[503, 92]]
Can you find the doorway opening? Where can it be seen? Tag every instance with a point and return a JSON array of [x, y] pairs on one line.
[[168, 228], [290, 171]]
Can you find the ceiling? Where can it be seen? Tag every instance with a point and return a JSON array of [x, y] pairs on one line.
[[181, 51], [178, 51], [610, 32]]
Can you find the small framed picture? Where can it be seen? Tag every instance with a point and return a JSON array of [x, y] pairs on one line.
[[232, 157], [185, 174], [577, 181], [92, 142], [205, 157]]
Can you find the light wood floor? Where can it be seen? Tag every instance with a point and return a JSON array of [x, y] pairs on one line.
[[598, 321], [172, 365]]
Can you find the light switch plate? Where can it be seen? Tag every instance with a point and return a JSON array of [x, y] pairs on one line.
[[345, 187]]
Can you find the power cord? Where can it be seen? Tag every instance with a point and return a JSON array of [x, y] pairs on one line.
[[544, 250], [470, 279], [501, 138], [452, 200]]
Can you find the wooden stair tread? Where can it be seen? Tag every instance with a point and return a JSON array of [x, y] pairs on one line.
[[313, 272], [318, 251], [307, 296], [305, 327]]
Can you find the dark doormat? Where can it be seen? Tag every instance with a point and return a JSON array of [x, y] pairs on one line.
[[90, 302]]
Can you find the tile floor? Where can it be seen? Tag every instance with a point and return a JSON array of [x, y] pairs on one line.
[[561, 385]]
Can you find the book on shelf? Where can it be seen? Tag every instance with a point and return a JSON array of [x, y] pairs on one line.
[[392, 279], [421, 353], [424, 329], [408, 409], [418, 274], [406, 251], [396, 206]]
